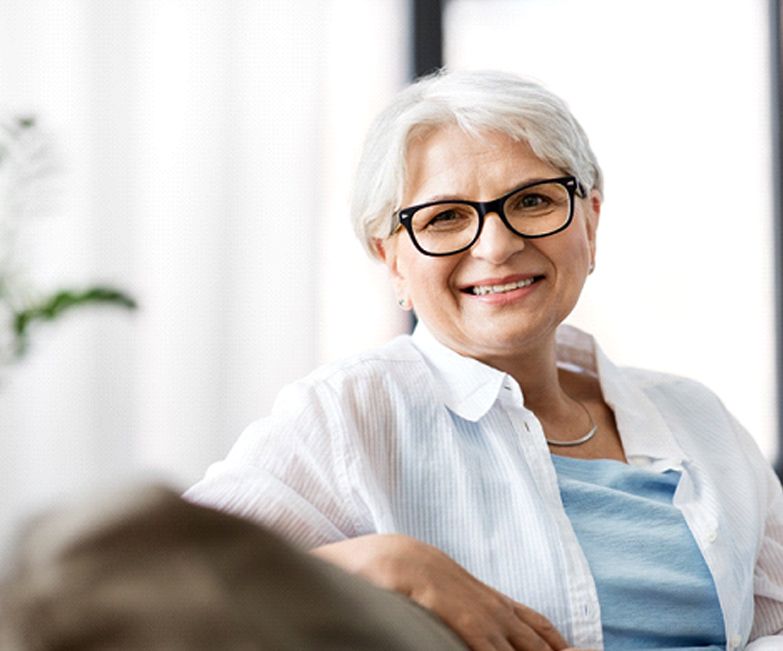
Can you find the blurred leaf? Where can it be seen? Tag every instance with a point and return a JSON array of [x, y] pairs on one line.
[[57, 304], [30, 163]]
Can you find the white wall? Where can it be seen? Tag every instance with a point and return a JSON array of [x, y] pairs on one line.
[[675, 99]]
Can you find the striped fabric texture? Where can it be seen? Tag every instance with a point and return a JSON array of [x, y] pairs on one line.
[[416, 439]]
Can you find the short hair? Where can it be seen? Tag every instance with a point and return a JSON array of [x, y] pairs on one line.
[[475, 101]]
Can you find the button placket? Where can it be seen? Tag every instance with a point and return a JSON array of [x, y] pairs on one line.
[[537, 455]]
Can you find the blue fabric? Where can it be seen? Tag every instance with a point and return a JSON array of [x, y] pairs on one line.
[[654, 587]]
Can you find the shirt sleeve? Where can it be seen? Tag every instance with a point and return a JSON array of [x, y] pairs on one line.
[[767, 631], [287, 471]]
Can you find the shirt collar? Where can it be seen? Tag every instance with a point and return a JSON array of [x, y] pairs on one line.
[[646, 436], [469, 388], [466, 386]]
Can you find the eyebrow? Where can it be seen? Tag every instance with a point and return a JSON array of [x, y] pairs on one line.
[[517, 186]]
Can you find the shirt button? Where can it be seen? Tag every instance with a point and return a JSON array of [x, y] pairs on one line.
[[735, 641], [712, 536]]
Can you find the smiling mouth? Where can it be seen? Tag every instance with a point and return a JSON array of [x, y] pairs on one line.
[[483, 290]]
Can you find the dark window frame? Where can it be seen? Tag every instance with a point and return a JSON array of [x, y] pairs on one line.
[[776, 121], [427, 37]]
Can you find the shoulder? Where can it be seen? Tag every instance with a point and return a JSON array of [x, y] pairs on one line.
[[397, 363], [668, 384], [697, 417], [668, 387], [388, 377], [396, 356], [314, 420]]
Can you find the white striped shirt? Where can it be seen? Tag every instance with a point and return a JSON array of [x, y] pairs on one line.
[[413, 438]]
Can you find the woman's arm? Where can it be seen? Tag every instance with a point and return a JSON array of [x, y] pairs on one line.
[[484, 618]]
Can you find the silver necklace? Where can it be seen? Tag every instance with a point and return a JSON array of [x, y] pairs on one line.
[[583, 439]]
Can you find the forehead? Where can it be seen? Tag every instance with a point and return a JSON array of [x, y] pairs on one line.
[[447, 162]]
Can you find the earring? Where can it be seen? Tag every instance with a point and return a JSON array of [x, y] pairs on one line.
[[404, 304]]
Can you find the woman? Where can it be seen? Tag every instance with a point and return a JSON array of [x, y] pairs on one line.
[[496, 467]]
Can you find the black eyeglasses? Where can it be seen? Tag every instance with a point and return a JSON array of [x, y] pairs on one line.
[[533, 210]]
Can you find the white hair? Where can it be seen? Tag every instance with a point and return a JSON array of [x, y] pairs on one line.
[[476, 101]]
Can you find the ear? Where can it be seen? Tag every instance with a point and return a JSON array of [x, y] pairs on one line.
[[592, 217], [386, 251], [378, 247]]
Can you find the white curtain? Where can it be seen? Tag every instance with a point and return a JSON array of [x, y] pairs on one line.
[[208, 149]]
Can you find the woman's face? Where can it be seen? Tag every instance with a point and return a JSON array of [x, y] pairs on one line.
[[448, 163]]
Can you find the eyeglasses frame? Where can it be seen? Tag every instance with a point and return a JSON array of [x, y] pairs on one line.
[[574, 188]]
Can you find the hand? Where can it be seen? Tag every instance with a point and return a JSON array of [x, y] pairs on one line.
[[485, 619]]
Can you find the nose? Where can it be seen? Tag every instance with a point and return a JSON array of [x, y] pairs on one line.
[[497, 243]]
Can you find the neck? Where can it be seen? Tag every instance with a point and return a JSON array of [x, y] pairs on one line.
[[556, 396], [536, 372]]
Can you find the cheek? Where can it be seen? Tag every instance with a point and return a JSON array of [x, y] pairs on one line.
[[570, 260], [576, 247], [429, 279]]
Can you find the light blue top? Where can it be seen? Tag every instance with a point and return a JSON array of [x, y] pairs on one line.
[[653, 585]]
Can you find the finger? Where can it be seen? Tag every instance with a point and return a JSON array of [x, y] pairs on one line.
[[520, 643], [492, 645], [542, 626], [525, 638], [528, 642]]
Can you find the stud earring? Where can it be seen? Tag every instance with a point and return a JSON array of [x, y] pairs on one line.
[[404, 304]]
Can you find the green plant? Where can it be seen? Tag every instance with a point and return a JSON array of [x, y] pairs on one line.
[[28, 167]]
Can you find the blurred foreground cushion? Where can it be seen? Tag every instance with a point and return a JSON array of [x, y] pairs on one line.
[[151, 571]]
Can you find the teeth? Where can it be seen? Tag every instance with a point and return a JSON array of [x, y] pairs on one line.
[[481, 290]]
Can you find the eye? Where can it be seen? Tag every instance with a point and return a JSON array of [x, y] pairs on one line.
[[537, 201], [531, 200], [443, 218]]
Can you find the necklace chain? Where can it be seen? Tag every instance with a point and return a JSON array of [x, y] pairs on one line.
[[582, 439]]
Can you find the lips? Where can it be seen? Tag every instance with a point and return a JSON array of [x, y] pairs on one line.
[[500, 285]]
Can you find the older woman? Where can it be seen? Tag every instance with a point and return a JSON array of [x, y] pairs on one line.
[[495, 466]]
